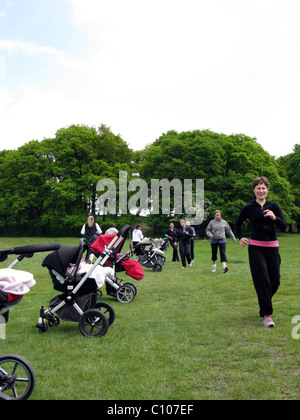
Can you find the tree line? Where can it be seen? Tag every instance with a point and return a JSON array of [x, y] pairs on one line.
[[49, 187]]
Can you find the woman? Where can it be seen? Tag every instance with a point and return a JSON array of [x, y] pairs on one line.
[[173, 237], [264, 258], [185, 235], [137, 235], [216, 231], [91, 231]]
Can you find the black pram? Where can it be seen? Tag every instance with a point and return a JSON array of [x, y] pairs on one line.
[[79, 299]]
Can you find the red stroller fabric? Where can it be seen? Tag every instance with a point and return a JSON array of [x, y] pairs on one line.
[[133, 269], [101, 242]]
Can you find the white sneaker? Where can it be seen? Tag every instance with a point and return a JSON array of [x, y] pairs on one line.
[[213, 269], [268, 322]]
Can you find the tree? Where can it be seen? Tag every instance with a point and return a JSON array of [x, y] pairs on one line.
[[228, 164]]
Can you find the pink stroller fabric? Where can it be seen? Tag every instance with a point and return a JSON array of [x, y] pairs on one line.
[[15, 282]]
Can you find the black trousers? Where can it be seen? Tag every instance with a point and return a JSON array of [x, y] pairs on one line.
[[265, 270], [214, 251], [185, 253], [175, 251]]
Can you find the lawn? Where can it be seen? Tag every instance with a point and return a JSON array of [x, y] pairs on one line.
[[188, 335]]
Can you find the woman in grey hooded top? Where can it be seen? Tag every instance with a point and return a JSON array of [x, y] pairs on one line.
[[216, 231]]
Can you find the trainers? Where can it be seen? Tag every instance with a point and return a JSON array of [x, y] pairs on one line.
[[213, 269], [225, 270], [268, 322]]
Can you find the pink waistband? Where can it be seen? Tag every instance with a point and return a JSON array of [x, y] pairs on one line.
[[267, 244]]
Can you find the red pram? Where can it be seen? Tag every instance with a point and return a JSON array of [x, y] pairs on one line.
[[119, 262]]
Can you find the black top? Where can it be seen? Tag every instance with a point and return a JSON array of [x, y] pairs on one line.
[[174, 234], [90, 232], [262, 228], [185, 237]]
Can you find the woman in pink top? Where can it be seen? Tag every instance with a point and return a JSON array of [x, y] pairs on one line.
[[264, 216]]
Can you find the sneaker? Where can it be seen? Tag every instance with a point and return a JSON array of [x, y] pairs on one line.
[[225, 270], [268, 322], [213, 269]]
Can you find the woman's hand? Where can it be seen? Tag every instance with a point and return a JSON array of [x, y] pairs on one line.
[[244, 241], [269, 213]]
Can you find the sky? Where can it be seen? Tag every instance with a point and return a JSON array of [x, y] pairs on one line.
[[143, 68]]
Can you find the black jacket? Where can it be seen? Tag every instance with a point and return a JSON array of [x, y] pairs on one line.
[[185, 237], [262, 228], [174, 234]]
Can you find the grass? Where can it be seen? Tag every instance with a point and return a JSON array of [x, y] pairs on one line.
[[188, 335]]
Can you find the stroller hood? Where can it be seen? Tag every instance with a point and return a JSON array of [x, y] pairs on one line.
[[104, 240], [60, 259]]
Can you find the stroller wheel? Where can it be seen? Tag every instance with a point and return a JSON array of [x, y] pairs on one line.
[[17, 377], [132, 286], [108, 311], [125, 294], [93, 323], [42, 326], [157, 267]]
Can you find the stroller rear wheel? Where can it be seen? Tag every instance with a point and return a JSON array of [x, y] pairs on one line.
[[108, 311], [132, 286], [93, 323], [125, 294], [157, 267]]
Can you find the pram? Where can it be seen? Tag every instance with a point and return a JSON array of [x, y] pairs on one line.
[[79, 299], [150, 253], [17, 376], [117, 263]]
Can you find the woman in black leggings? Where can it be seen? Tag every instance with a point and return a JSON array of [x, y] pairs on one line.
[[264, 258]]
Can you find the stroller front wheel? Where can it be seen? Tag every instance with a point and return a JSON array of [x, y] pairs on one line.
[[17, 378], [93, 323]]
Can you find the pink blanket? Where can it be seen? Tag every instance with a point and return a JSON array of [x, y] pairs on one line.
[[16, 282]]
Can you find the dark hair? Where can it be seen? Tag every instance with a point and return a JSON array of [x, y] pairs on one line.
[[260, 180]]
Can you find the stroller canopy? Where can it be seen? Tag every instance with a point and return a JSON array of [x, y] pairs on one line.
[[104, 241], [60, 259]]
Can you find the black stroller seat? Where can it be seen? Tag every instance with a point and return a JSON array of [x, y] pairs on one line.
[[58, 263]]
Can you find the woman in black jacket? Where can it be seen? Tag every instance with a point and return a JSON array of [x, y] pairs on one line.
[[264, 216], [185, 235], [173, 238]]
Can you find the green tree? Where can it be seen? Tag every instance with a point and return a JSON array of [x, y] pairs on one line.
[[228, 164]]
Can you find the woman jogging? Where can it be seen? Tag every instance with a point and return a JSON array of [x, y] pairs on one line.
[[264, 258], [216, 230]]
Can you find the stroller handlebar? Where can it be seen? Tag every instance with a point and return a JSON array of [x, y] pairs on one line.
[[29, 249]]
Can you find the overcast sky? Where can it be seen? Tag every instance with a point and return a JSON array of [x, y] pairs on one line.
[[146, 67]]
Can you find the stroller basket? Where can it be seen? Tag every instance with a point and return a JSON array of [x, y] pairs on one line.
[[68, 312]]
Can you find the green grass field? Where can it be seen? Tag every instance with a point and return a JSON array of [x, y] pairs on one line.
[[188, 335]]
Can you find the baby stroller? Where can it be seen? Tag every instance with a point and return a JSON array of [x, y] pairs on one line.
[[17, 376], [116, 263], [79, 299], [151, 255]]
